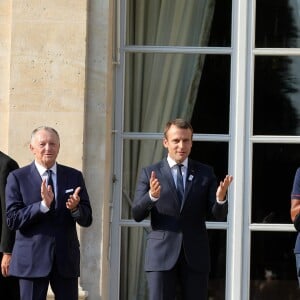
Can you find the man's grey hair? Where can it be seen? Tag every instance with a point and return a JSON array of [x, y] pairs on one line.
[[47, 128]]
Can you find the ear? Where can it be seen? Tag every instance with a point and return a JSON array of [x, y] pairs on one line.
[[31, 148], [165, 143]]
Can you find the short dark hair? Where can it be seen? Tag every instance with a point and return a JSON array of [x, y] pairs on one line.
[[180, 123]]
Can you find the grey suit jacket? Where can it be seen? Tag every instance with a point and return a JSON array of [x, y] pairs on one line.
[[174, 226]]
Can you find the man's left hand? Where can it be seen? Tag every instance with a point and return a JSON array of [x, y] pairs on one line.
[[223, 186], [73, 200]]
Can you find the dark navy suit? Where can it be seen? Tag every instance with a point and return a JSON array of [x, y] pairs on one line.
[[9, 286], [45, 241], [178, 232], [295, 196]]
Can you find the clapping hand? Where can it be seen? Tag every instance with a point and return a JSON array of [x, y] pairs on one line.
[[223, 186], [47, 193], [154, 186], [73, 200]]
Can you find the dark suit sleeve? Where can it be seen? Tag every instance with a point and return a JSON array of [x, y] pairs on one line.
[[142, 203], [18, 214], [83, 216], [7, 235], [220, 211]]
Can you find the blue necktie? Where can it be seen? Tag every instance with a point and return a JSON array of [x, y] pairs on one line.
[[180, 188], [50, 182]]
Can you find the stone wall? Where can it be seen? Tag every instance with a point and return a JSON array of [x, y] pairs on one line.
[[55, 64]]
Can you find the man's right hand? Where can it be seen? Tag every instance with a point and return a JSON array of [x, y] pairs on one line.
[[47, 193], [154, 186], [5, 264]]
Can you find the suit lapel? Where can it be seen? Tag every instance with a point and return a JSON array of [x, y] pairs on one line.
[[189, 180], [189, 177], [166, 174], [34, 177], [61, 181], [33, 180]]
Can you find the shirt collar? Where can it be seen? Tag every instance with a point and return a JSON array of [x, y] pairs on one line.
[[173, 163], [41, 169]]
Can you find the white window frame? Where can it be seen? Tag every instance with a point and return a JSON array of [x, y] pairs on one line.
[[240, 141]]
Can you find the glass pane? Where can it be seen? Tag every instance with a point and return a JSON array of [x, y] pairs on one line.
[[276, 95], [211, 110], [273, 267], [141, 153], [216, 284], [133, 283], [214, 154], [179, 22], [277, 24], [160, 87], [274, 167]]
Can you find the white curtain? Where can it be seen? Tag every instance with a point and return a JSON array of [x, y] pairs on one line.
[[158, 87]]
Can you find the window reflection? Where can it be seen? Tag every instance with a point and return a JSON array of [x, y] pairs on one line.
[[277, 24], [212, 153], [274, 167], [211, 110], [273, 271], [133, 284], [276, 95], [217, 243], [161, 87], [179, 22]]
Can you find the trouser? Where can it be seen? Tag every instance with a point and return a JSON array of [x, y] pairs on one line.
[[297, 255], [181, 282], [36, 288]]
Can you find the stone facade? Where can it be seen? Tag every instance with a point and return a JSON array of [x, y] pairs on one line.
[[56, 70]]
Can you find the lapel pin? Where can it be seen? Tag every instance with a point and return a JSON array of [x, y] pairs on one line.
[[190, 178]]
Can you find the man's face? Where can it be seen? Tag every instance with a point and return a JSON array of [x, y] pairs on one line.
[[178, 142], [45, 147]]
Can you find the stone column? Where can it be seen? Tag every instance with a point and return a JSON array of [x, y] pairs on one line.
[[46, 76]]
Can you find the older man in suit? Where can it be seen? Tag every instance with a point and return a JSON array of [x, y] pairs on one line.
[[178, 193], [44, 201], [9, 286]]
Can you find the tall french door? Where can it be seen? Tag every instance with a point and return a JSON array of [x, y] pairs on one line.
[[232, 68]]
